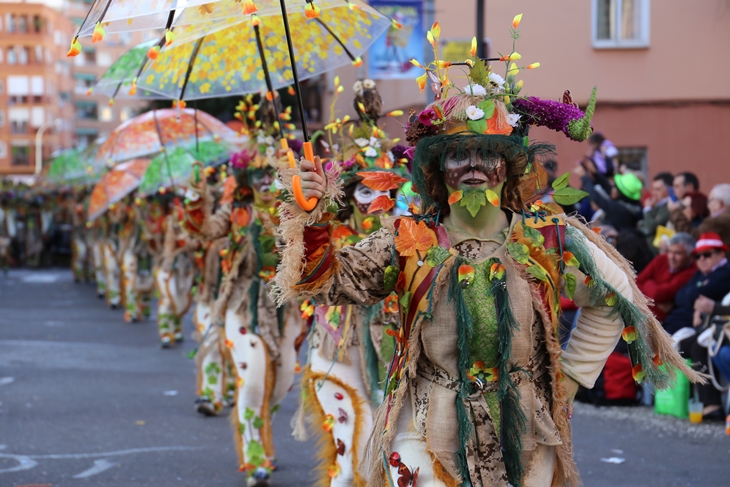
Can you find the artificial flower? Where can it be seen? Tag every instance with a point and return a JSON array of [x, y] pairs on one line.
[[357, 87], [361, 142], [513, 119], [368, 84], [474, 113], [428, 116], [497, 80], [270, 151], [374, 142], [370, 152], [476, 90]]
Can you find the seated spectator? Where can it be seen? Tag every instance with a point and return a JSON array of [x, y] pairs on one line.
[[668, 273], [712, 279], [619, 197], [707, 306], [655, 210], [684, 183], [718, 221], [632, 244]]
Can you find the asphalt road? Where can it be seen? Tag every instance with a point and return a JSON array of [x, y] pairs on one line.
[[87, 400]]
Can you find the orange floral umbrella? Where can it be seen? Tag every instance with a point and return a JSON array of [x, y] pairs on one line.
[[160, 130], [115, 185]]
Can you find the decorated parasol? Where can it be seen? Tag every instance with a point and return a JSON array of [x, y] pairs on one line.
[[244, 54], [115, 185], [159, 130], [172, 169]]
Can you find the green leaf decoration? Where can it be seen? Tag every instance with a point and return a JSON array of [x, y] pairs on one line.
[[267, 242], [568, 196], [241, 428], [519, 252], [534, 235], [275, 409], [561, 182], [249, 414], [390, 278], [479, 73], [473, 200], [405, 301], [537, 272], [258, 422], [436, 256], [353, 239], [488, 107], [478, 126], [255, 453], [570, 284]]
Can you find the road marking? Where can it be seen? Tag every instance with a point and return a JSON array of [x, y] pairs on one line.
[[26, 462], [99, 466], [6, 380], [41, 278]]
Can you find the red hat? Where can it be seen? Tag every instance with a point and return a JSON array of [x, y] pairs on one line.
[[709, 241]]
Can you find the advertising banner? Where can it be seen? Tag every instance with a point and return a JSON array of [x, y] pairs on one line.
[[390, 55]]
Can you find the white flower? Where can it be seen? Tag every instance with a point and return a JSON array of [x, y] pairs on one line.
[[357, 87], [497, 80], [270, 140], [270, 151], [368, 84], [370, 152], [391, 156], [261, 139], [361, 142], [513, 118], [474, 113], [374, 142], [192, 195], [278, 185], [475, 90]]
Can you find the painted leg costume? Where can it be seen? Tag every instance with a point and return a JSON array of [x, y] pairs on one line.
[[98, 230], [260, 338], [478, 388]]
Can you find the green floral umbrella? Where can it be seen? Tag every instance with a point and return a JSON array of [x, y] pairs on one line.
[[73, 167], [172, 169]]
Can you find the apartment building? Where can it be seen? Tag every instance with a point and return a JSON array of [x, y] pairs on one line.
[[36, 85], [661, 68]]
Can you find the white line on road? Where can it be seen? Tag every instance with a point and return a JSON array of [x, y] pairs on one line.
[[26, 462], [6, 380], [99, 466]]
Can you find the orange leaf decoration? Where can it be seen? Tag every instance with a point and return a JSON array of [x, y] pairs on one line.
[[570, 260], [455, 197], [493, 198], [229, 187], [381, 203], [381, 180], [414, 237], [249, 7], [638, 372], [240, 217], [657, 360]]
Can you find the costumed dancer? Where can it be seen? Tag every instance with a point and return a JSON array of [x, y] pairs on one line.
[[111, 255], [479, 391], [81, 261], [261, 339], [7, 227], [97, 231], [174, 277], [340, 385]]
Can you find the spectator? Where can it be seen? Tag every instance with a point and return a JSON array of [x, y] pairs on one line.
[[712, 279], [685, 182], [668, 273], [618, 197], [632, 244], [656, 211], [603, 153], [705, 305], [718, 206]]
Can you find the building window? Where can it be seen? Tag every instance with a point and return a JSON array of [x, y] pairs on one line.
[[19, 118], [87, 110], [22, 23], [125, 114], [12, 57], [2, 118], [23, 55], [2, 87], [620, 24], [3, 150], [89, 56], [84, 81], [20, 154], [635, 159], [106, 114], [10, 21]]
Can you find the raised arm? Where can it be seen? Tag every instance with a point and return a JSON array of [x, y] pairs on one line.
[[200, 221]]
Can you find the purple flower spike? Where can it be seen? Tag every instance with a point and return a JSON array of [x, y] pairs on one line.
[[561, 117]]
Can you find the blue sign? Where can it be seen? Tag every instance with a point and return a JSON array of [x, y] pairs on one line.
[[390, 56]]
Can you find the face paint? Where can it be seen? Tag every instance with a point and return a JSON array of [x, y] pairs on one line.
[[363, 196], [261, 184], [468, 169]]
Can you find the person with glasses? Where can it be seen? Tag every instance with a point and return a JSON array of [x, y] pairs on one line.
[[712, 280]]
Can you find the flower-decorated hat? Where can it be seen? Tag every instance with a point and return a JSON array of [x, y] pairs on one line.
[[488, 114]]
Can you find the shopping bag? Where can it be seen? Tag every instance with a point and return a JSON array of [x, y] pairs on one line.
[[675, 400]]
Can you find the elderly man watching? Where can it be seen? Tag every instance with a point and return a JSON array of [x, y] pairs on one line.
[[667, 273], [719, 220], [656, 211], [712, 279]]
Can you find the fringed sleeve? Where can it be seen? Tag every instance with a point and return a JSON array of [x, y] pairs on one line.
[[310, 267], [612, 305], [199, 220]]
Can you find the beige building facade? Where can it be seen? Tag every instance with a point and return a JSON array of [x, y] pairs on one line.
[[661, 67]]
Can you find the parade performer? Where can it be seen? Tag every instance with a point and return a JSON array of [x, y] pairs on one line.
[[340, 384], [8, 229], [137, 260], [111, 255], [260, 338], [81, 261], [96, 236], [479, 391], [174, 278]]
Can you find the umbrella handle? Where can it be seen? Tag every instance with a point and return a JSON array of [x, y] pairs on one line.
[[296, 182]]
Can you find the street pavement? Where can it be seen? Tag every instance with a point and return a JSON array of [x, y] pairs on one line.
[[87, 400]]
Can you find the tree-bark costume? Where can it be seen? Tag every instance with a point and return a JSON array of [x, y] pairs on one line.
[[476, 393]]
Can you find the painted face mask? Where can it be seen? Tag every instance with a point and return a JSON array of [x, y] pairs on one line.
[[364, 196], [261, 181], [468, 167]]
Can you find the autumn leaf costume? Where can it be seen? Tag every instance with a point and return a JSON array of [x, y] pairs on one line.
[[261, 339], [477, 391], [349, 344]]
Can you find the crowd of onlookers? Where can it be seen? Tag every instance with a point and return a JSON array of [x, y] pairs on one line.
[[677, 239]]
